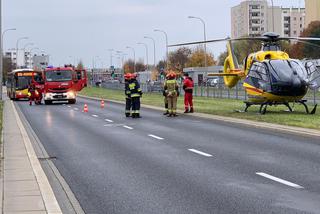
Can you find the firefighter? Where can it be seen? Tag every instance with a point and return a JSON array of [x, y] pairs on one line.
[[31, 93], [165, 98], [188, 91], [171, 88], [135, 93], [127, 78]]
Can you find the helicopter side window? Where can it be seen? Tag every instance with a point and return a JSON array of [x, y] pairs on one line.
[[259, 72]]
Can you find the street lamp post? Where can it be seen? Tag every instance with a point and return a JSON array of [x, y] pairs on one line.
[[167, 51], [272, 15], [134, 57], [146, 46], [24, 52], [154, 49], [110, 56], [1, 56], [17, 49], [205, 37], [30, 52]]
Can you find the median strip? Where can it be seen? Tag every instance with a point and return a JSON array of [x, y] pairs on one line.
[[200, 153], [156, 137], [288, 183]]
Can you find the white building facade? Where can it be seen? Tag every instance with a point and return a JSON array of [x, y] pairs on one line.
[[255, 17], [22, 60]]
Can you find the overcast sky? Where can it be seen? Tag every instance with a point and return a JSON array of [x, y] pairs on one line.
[[69, 30]]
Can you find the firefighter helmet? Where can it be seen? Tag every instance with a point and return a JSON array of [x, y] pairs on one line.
[[127, 76]]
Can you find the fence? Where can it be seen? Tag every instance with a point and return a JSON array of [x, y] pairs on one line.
[[218, 91]]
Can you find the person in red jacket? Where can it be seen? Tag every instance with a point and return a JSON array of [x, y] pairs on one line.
[[188, 91]]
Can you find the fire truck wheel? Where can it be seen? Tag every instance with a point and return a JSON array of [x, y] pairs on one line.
[[47, 102], [71, 101]]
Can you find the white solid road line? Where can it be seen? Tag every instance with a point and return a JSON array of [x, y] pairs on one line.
[[127, 127], [200, 153], [94, 115], [110, 121], [156, 137], [279, 180]]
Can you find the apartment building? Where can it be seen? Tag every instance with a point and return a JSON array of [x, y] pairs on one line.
[[255, 17], [23, 59]]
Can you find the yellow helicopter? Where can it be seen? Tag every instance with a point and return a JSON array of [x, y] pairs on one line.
[[270, 76]]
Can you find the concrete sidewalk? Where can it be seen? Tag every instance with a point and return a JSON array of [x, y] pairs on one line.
[[25, 186]]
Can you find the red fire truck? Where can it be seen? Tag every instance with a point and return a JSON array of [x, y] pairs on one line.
[[60, 84], [81, 75]]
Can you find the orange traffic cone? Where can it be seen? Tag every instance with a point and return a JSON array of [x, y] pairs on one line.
[[85, 108], [102, 104]]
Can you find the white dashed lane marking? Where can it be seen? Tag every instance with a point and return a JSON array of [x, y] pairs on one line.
[[288, 183], [156, 137], [76, 109], [94, 115], [127, 127], [69, 106], [110, 121], [200, 153]]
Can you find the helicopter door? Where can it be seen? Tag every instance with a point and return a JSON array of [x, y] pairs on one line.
[[313, 75]]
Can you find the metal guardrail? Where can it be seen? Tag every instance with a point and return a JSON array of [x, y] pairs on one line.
[[218, 91]]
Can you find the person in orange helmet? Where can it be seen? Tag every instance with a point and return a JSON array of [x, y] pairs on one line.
[[165, 98], [171, 88], [127, 78]]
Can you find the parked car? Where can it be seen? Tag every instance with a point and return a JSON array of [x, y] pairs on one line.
[[213, 82]]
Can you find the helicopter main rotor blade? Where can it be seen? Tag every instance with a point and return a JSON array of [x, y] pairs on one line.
[[200, 42], [309, 43], [300, 38]]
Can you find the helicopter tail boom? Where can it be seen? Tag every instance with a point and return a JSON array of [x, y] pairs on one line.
[[231, 71]]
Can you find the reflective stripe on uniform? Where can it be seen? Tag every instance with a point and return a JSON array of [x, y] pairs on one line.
[[135, 95]]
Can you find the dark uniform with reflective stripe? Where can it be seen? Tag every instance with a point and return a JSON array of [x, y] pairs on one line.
[[135, 93], [128, 98]]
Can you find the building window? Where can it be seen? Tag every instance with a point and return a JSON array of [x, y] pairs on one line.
[[255, 14]]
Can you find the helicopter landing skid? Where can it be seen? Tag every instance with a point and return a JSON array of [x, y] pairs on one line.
[[303, 102], [263, 106]]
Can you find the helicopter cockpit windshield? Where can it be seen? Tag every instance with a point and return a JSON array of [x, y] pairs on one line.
[[286, 70]]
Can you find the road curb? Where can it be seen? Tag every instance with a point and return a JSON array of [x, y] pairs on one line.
[[48, 196], [255, 124]]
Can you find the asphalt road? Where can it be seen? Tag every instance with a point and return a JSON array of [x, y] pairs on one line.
[[157, 164]]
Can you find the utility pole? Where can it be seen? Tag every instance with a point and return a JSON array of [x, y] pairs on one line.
[[272, 15], [167, 51], [134, 57], [205, 38], [146, 46], [1, 60], [154, 50]]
